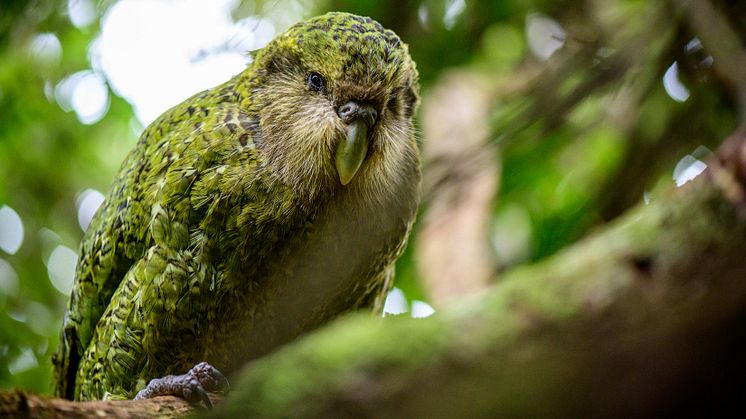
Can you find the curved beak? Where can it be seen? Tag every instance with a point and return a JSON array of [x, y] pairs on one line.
[[352, 149]]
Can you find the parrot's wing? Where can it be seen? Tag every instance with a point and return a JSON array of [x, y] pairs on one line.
[[160, 170], [113, 241]]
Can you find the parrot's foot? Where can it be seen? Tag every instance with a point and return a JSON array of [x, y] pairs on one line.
[[192, 386]]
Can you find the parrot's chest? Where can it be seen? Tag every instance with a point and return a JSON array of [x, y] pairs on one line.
[[340, 261]]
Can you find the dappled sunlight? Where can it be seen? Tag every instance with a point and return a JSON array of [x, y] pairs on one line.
[[687, 169], [11, 230], [675, 89], [86, 93], [396, 302], [46, 49], [454, 9], [156, 54], [88, 202], [82, 13], [421, 309], [545, 35], [61, 268]]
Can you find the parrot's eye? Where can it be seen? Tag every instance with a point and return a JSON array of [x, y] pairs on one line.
[[315, 81]]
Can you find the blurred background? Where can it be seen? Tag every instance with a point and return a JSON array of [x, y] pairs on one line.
[[540, 120]]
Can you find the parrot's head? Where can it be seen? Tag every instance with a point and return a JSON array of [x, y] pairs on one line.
[[335, 96]]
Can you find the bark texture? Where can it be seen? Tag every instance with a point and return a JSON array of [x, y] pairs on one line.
[[17, 404]]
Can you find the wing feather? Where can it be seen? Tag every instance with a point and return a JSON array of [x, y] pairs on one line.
[[163, 169]]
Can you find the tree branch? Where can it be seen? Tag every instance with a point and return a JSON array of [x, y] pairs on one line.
[[18, 404]]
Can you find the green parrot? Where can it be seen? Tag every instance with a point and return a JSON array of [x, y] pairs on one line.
[[248, 215]]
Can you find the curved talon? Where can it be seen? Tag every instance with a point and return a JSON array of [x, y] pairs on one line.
[[202, 396], [221, 383], [192, 386]]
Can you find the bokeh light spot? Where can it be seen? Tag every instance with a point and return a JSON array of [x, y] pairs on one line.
[[46, 49], [86, 93], [675, 89], [544, 35], [423, 16], [61, 268], [421, 309], [454, 9], [42, 322], [396, 302], [688, 168], [24, 362], [11, 230], [88, 202], [178, 49], [81, 12], [90, 98]]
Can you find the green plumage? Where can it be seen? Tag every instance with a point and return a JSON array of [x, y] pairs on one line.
[[227, 231]]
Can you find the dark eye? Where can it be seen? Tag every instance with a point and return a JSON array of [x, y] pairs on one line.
[[315, 81]]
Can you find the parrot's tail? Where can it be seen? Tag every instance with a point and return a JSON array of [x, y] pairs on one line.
[[66, 361]]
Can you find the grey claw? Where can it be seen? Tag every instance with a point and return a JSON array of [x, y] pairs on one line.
[[203, 396], [221, 383]]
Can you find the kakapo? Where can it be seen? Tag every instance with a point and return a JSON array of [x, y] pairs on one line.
[[247, 215]]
